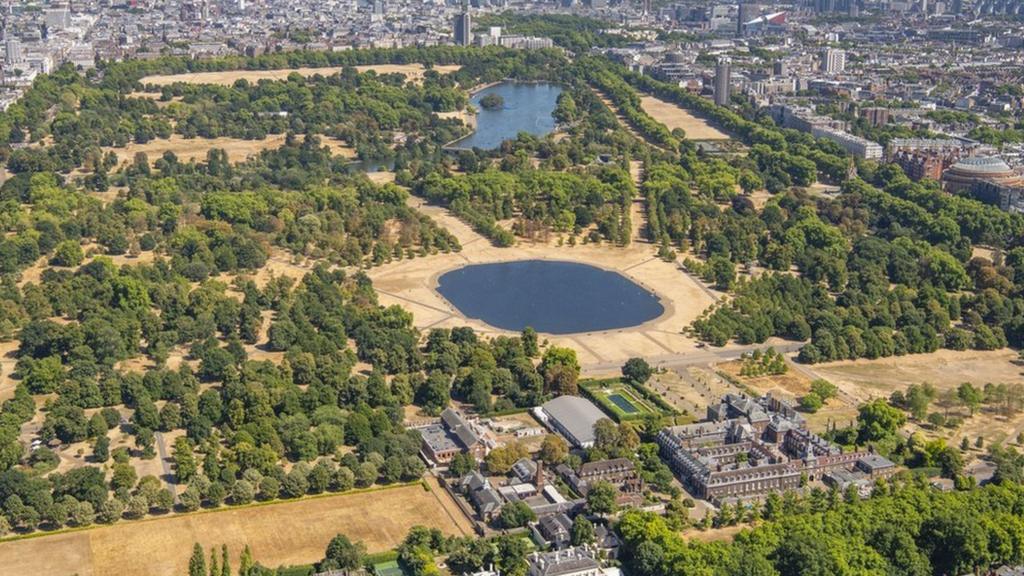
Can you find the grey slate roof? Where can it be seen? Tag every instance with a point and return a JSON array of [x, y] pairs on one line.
[[576, 415]]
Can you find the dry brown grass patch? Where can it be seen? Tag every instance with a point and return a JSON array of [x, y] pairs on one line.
[[414, 72], [288, 533], [674, 117], [188, 149]]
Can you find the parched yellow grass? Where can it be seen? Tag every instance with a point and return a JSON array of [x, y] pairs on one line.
[[413, 72], [944, 369], [278, 534], [187, 149], [675, 117], [381, 177]]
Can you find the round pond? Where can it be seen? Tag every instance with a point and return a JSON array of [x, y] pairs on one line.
[[549, 296]]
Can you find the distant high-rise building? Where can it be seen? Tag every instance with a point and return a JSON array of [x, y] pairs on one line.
[[57, 19], [745, 12], [463, 27], [875, 115], [853, 9], [646, 7], [924, 7], [12, 50], [956, 7], [833, 61], [378, 7], [723, 71]]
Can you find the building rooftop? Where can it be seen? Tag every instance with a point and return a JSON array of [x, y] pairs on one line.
[[876, 462], [569, 561], [982, 165], [605, 466], [438, 438], [576, 415]]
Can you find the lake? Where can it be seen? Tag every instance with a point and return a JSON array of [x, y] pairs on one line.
[[549, 296], [527, 108]]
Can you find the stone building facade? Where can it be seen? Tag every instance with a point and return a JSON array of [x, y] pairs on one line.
[[749, 447]]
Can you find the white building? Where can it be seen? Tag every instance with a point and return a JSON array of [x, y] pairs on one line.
[[833, 61], [578, 561], [855, 145], [57, 19], [12, 51], [723, 80]]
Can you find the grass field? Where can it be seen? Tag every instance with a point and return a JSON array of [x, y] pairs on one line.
[[187, 149], [288, 533], [413, 72], [864, 380], [675, 117]]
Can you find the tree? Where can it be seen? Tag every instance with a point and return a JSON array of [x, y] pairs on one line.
[[811, 402], [609, 438], [342, 554], [560, 369], [501, 459], [366, 474], [917, 399], [824, 389], [561, 380], [582, 531], [510, 557], [197, 563], [553, 449], [950, 460], [435, 393], [184, 462], [462, 463], [111, 511], [124, 477], [225, 563], [723, 272], [516, 515], [191, 498], [101, 451], [528, 338], [68, 253], [138, 506], [878, 420], [601, 498], [969, 396], [242, 492], [637, 370]]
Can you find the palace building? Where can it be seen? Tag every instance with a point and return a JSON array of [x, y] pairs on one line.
[[750, 447]]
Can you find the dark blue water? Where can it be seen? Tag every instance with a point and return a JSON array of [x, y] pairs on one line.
[[527, 108], [552, 297]]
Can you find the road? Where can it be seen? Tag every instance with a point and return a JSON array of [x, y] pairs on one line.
[[699, 356], [165, 463]]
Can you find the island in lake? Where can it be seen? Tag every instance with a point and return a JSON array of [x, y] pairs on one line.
[[492, 101]]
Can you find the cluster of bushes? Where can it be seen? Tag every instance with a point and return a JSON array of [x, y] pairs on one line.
[[767, 363]]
